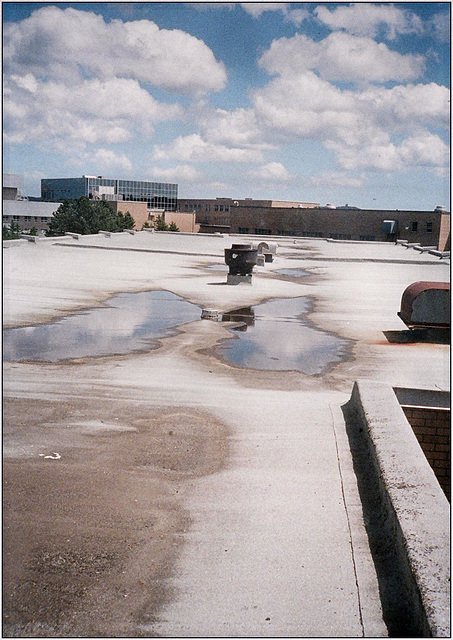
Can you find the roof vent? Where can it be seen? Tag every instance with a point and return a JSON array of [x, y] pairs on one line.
[[330, 206]]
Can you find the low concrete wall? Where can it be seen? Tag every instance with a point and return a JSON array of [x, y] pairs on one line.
[[13, 243], [414, 512]]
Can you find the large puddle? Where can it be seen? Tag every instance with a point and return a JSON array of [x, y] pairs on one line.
[[274, 337], [271, 336], [295, 273], [130, 322]]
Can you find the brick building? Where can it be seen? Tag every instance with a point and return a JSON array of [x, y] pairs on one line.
[[28, 214], [213, 215], [429, 228]]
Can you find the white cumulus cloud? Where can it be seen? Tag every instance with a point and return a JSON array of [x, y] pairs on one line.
[[94, 111], [181, 172], [369, 126], [256, 9], [271, 171], [368, 19], [341, 56], [237, 128], [72, 79], [66, 44], [106, 159], [193, 148], [426, 149], [327, 179]]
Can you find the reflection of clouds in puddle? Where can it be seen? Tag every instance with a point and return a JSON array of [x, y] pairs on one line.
[[217, 267], [279, 341], [295, 273], [128, 322]]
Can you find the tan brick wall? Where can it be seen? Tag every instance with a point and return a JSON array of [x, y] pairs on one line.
[[444, 235], [184, 221], [432, 428], [138, 210]]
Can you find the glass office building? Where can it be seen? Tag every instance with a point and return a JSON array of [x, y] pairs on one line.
[[158, 195]]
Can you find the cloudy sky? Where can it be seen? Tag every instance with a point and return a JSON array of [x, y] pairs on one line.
[[341, 103]]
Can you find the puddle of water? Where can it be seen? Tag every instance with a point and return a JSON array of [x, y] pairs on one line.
[[296, 273], [273, 337], [130, 322]]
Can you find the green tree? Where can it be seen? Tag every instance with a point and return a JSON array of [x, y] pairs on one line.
[[161, 225], [125, 221], [86, 216], [12, 232], [173, 227]]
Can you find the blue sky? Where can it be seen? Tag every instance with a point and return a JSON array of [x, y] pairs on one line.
[[331, 103]]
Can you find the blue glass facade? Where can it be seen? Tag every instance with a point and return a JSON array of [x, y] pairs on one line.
[[158, 195]]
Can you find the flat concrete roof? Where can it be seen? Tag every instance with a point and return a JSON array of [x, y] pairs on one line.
[[211, 500]]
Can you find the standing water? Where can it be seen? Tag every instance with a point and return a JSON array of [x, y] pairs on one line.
[[271, 336], [274, 337], [130, 322]]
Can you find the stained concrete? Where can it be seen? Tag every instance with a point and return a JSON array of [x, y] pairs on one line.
[[233, 493]]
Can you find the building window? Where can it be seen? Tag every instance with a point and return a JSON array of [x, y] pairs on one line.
[[263, 232], [414, 225], [243, 229], [44, 219], [429, 227], [5, 218], [27, 218], [368, 238], [16, 218]]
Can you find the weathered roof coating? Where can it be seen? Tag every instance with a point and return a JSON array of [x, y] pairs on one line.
[[272, 540]]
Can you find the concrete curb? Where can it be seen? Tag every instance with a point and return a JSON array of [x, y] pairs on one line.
[[374, 260], [137, 250], [416, 511]]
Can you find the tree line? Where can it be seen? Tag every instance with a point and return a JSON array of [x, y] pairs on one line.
[[85, 216]]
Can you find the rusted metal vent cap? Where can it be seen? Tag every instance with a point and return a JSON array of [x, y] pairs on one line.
[[241, 259], [426, 304]]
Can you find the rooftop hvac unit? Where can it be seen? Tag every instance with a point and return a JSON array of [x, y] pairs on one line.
[[390, 226]]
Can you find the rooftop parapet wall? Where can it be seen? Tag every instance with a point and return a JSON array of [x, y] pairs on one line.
[[414, 510]]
